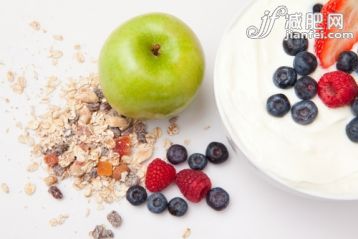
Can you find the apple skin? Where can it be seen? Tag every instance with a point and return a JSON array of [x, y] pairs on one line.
[[140, 84]]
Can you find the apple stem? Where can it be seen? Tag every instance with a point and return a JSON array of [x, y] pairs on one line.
[[155, 49]]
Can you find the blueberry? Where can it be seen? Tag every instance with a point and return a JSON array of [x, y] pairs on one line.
[[352, 130], [294, 44], [285, 77], [304, 112], [177, 154], [217, 152], [217, 198], [306, 88], [355, 107], [278, 105], [197, 161], [347, 61], [317, 8], [177, 207], [136, 195], [305, 63], [157, 203]]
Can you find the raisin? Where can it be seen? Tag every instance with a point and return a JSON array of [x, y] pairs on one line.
[[104, 168], [105, 106], [116, 131], [100, 232], [55, 192], [58, 170], [140, 130], [99, 93], [59, 149], [93, 107], [114, 219]]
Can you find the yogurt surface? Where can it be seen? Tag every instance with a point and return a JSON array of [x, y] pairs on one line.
[[317, 159]]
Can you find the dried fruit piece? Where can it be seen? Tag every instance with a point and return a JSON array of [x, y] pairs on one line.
[[104, 168], [114, 219], [51, 159], [117, 172], [55, 192], [123, 146], [100, 232]]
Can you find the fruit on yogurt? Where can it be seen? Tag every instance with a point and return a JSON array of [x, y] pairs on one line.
[[285, 77], [337, 89], [306, 88], [352, 130], [295, 44], [304, 112], [347, 61], [177, 207], [151, 66], [278, 105], [305, 63], [317, 8], [136, 195], [197, 161], [159, 175], [218, 199], [177, 154], [157, 203], [328, 48]]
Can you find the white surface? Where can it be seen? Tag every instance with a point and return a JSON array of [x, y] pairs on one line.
[[257, 209], [306, 158]]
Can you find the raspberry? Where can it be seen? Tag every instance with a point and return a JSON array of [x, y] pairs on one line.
[[193, 184], [337, 89], [159, 175]]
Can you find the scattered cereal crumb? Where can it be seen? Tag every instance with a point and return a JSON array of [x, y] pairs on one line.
[[10, 76], [5, 188], [114, 219], [30, 188], [80, 57], [167, 144], [50, 180], [173, 128], [55, 54], [100, 232], [88, 212], [35, 25], [59, 220], [57, 37], [32, 167], [186, 142], [19, 85], [77, 47], [186, 233]]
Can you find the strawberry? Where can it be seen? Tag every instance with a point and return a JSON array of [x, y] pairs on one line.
[[159, 175], [328, 48], [193, 184], [337, 89]]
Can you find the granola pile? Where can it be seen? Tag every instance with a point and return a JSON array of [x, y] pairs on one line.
[[88, 141]]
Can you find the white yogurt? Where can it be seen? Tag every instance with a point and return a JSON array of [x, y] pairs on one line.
[[318, 159]]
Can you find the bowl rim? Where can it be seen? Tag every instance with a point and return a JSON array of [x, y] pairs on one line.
[[236, 144]]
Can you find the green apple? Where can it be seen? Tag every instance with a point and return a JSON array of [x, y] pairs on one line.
[[151, 66]]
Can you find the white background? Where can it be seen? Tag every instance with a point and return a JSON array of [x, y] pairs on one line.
[[257, 210]]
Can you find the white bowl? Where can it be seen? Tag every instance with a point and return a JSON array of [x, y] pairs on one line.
[[238, 145]]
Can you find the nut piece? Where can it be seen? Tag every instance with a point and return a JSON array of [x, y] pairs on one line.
[[100, 232], [50, 180], [30, 188], [114, 219], [55, 192]]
